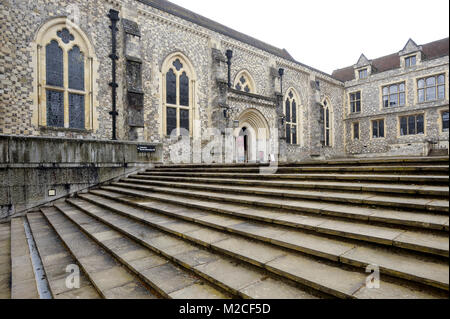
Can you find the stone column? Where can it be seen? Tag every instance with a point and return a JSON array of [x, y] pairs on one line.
[[281, 127], [316, 119]]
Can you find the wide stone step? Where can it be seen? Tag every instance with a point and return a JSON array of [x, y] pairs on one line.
[[368, 199], [322, 275], [432, 243], [439, 191], [23, 281], [111, 279], [58, 262], [441, 160], [5, 261], [415, 179], [435, 221], [163, 276], [287, 215], [405, 265], [435, 169], [237, 279]]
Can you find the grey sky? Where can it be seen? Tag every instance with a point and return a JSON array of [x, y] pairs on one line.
[[330, 34]]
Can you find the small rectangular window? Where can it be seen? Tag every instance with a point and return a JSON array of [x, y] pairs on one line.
[[431, 88], [355, 102], [412, 125], [410, 61], [363, 74], [356, 131], [378, 129], [445, 117]]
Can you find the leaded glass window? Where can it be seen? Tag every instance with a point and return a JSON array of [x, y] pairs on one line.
[[184, 89], [431, 88], [65, 79], [412, 125], [356, 131], [76, 69], [445, 118], [410, 61], [244, 83], [55, 108], [355, 102], [171, 87], [76, 111], [394, 95], [54, 64], [171, 120], [326, 115], [178, 97], [290, 112], [378, 129]]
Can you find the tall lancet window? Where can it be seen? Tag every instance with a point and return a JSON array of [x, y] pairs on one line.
[[291, 114], [327, 123], [65, 69], [178, 96]]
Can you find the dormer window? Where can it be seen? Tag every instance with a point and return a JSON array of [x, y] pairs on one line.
[[362, 74], [410, 61]]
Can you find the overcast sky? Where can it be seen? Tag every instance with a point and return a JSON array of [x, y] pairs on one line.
[[328, 34]]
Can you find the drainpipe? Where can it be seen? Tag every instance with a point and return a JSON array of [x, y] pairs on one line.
[[114, 17], [281, 73], [229, 55]]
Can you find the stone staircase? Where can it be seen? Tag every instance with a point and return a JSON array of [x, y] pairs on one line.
[[312, 230]]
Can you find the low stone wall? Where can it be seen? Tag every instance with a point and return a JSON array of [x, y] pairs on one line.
[[36, 170]]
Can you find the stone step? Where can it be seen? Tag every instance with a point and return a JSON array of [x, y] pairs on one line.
[[367, 199], [413, 190], [58, 262], [237, 279], [5, 260], [415, 179], [348, 210], [111, 279], [414, 219], [23, 281], [323, 275], [432, 243], [162, 275], [429, 169], [402, 264], [346, 161]]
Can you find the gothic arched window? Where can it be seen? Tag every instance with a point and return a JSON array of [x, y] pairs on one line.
[[291, 113], [244, 82], [178, 95], [326, 115], [65, 69]]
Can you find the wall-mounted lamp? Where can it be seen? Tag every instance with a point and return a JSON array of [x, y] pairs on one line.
[[235, 123], [283, 118], [281, 73], [229, 55]]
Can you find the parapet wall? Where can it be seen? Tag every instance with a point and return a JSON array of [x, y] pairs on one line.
[[36, 170]]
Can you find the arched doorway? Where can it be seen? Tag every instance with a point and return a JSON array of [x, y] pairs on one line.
[[252, 137], [243, 145]]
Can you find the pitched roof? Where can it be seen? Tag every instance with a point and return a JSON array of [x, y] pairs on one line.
[[193, 17], [432, 50]]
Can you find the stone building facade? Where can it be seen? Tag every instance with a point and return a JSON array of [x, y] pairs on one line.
[[406, 93], [172, 73]]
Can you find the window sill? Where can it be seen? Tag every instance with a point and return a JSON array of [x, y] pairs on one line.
[[409, 135], [430, 102], [63, 129]]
